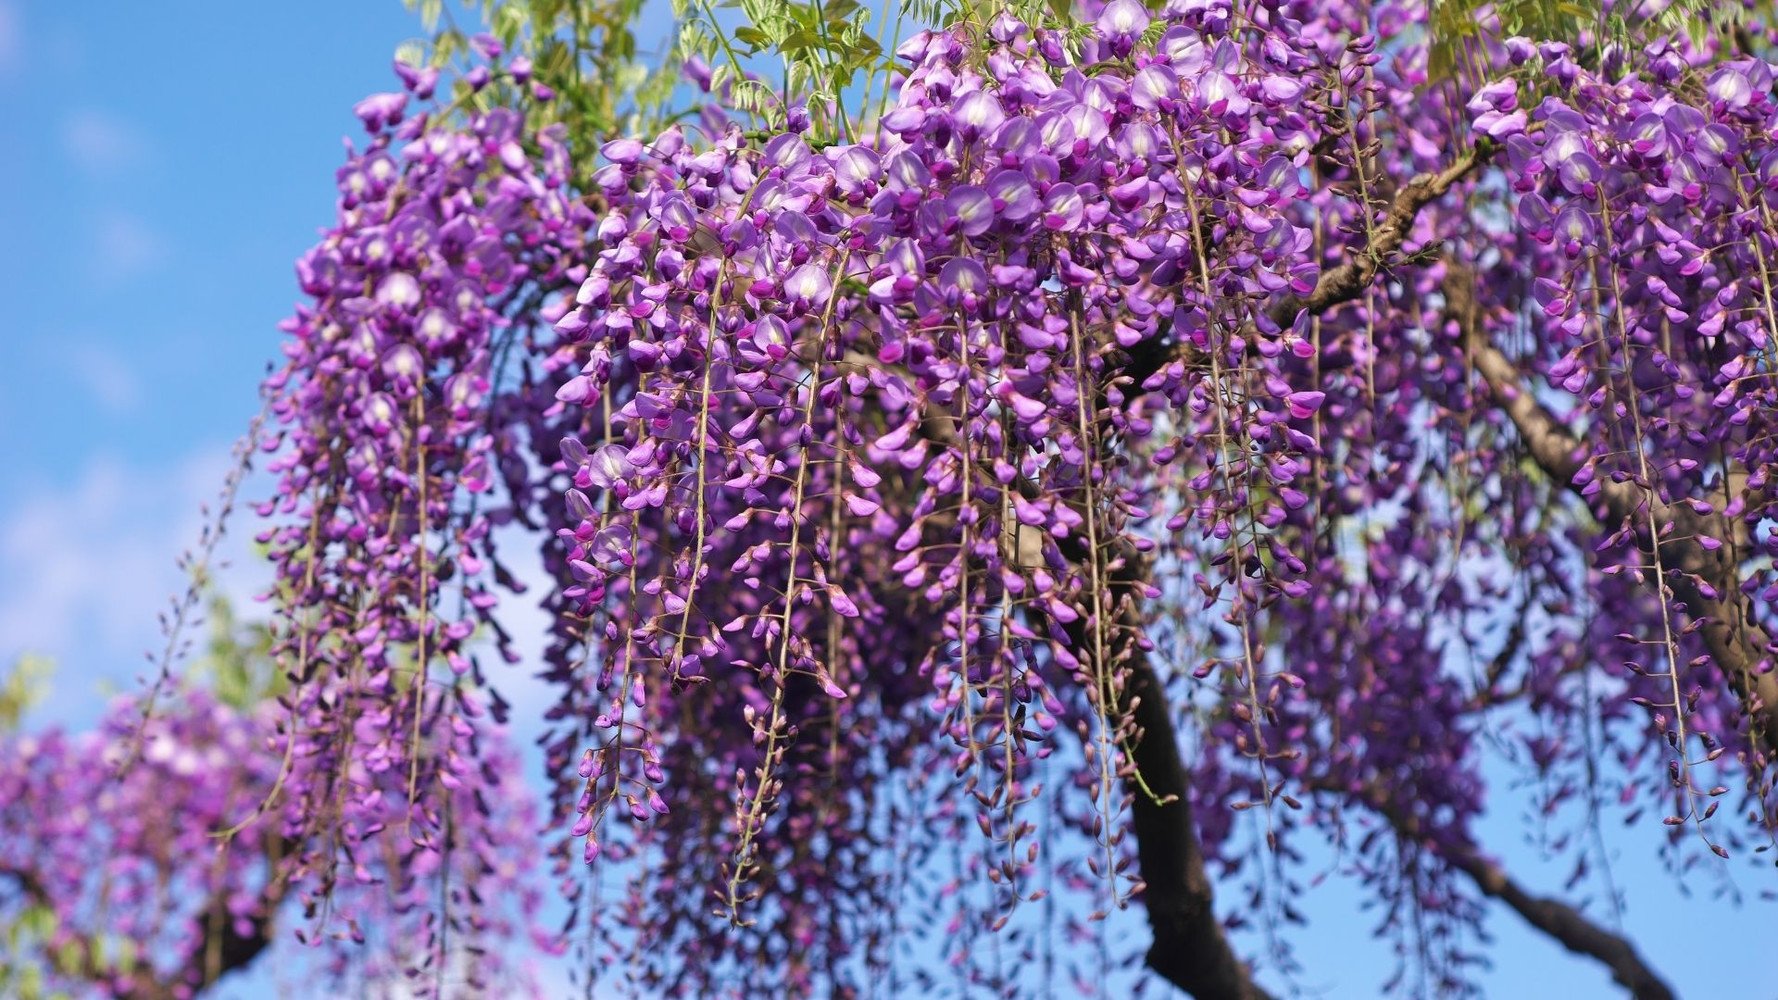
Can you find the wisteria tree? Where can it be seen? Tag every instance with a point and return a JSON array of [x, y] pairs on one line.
[[995, 467]]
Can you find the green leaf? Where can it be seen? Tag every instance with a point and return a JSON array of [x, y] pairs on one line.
[[753, 37], [22, 687], [801, 40], [30, 983], [68, 955], [38, 921], [412, 52], [508, 25]]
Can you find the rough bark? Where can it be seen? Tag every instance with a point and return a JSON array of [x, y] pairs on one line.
[[1735, 639], [1568, 926], [1191, 950], [232, 948], [1168, 848], [1337, 285]]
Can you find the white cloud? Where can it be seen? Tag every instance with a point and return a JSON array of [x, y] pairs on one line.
[[11, 42], [113, 384], [99, 143], [126, 246], [85, 569]]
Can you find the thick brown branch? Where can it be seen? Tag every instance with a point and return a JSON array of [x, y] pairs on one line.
[[1736, 641], [1347, 281], [1567, 925], [1344, 282], [1190, 949], [220, 949]]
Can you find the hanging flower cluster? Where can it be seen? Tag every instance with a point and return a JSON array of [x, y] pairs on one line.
[[386, 453], [1212, 371], [161, 896], [882, 392], [1063, 315], [1642, 205]]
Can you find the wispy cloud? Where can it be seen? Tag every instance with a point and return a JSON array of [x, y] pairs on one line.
[[126, 246], [99, 143], [12, 49], [86, 568], [112, 383]]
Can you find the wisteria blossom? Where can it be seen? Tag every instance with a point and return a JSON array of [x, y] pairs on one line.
[[1140, 452]]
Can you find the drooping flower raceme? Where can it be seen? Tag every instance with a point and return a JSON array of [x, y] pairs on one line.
[[1060, 318], [386, 452], [129, 887], [1218, 373]]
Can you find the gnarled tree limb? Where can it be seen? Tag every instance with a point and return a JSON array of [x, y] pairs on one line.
[[1191, 950], [1567, 925], [1736, 641], [1348, 281], [1342, 283], [222, 948]]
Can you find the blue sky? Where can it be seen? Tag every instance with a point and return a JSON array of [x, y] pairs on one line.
[[160, 175]]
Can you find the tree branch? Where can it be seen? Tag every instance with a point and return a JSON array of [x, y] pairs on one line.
[[1198, 960], [1342, 283], [1190, 949], [233, 948], [1735, 640], [1567, 925]]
